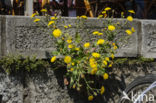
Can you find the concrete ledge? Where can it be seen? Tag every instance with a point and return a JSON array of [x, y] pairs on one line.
[[22, 36]]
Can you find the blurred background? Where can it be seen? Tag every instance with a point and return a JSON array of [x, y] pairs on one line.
[[144, 9]]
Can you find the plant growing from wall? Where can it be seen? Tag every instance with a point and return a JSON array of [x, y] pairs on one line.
[[89, 58]]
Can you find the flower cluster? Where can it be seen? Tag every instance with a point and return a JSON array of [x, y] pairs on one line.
[[85, 59]]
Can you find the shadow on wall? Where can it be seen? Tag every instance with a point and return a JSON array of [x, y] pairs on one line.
[[120, 76]]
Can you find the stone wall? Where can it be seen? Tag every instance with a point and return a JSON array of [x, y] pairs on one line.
[[19, 35]]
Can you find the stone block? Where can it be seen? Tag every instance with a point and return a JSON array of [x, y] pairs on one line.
[[25, 38], [148, 33]]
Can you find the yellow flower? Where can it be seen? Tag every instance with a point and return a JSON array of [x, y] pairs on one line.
[[107, 58], [100, 41], [67, 59], [51, 22], [115, 47], [86, 45], [95, 32], [69, 25], [110, 65], [100, 16], [33, 15], [57, 33], [100, 34], [103, 12], [111, 27], [107, 8], [69, 41], [112, 56], [102, 90], [96, 55], [93, 65], [73, 63], [74, 86], [36, 20], [90, 98], [53, 59], [93, 71], [70, 46], [105, 62], [114, 44], [105, 76], [53, 18], [65, 26], [84, 17], [43, 10], [77, 49], [130, 18], [132, 29], [128, 32], [131, 11], [71, 69]]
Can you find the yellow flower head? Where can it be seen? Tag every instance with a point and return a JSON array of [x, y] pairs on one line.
[[95, 32], [51, 22], [107, 58], [57, 33], [111, 27], [103, 12], [105, 62], [67, 59], [105, 76], [73, 63], [53, 59], [36, 20], [102, 90], [33, 15], [93, 71], [131, 11], [112, 56], [70, 46], [115, 47], [84, 17], [100, 34], [114, 44], [96, 55], [43, 10], [90, 98], [86, 45], [100, 41], [69, 41], [77, 49], [130, 18], [132, 29], [110, 65], [129, 32], [100, 16], [65, 26], [53, 18], [69, 25], [107, 8], [71, 69]]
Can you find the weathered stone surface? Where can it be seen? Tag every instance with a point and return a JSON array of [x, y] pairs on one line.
[[26, 38], [11, 89], [148, 32], [48, 87]]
